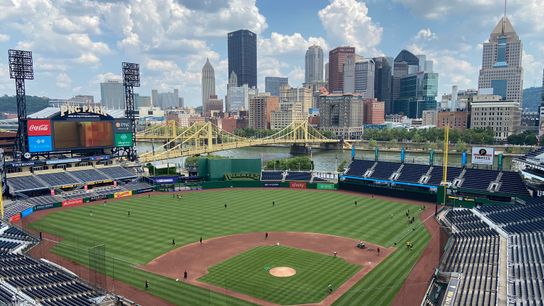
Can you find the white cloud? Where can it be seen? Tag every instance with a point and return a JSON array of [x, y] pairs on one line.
[[347, 23], [107, 76], [438, 8], [425, 34], [63, 80], [4, 37], [532, 67], [294, 44]]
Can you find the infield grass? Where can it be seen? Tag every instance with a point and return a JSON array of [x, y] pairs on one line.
[[154, 222], [248, 273]]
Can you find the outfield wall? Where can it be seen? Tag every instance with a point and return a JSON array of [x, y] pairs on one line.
[[418, 195], [261, 184]]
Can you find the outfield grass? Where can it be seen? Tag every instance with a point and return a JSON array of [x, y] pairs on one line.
[[154, 222], [248, 273]]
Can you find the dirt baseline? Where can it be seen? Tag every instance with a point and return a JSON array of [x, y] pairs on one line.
[[196, 258]]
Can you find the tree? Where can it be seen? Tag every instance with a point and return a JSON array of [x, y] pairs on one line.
[[302, 163], [372, 143], [460, 146], [342, 166]]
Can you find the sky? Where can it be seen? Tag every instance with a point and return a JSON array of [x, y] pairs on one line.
[[77, 44]]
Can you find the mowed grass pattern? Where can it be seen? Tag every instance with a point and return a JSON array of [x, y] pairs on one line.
[[248, 273], [154, 222]]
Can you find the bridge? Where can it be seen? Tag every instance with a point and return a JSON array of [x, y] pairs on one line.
[[202, 138]]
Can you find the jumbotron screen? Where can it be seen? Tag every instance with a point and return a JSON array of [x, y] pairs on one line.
[[82, 134]]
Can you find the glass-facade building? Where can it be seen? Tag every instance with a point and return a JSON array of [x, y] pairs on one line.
[[242, 49], [417, 93]]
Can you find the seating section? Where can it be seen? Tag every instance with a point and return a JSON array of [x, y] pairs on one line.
[[16, 207], [42, 282], [412, 173], [58, 179], [474, 252], [43, 200], [384, 170], [25, 183], [90, 175], [359, 167], [526, 268], [271, 176], [25, 277], [117, 173], [437, 174], [513, 183], [137, 186], [298, 176], [479, 179]]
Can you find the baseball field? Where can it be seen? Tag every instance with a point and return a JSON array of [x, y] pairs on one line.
[[138, 234]]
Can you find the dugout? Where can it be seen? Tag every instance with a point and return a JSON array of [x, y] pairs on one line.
[[218, 169]]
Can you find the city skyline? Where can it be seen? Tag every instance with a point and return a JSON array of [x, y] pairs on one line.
[[94, 41]]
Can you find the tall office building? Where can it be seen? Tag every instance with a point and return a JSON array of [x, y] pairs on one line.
[[383, 75], [208, 83], [260, 111], [112, 94], [313, 68], [501, 63], [337, 59], [242, 49], [342, 114], [273, 84], [165, 100]]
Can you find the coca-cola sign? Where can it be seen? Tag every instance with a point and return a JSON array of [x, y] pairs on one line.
[[39, 127]]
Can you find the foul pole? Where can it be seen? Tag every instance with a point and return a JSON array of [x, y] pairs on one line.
[[445, 162]]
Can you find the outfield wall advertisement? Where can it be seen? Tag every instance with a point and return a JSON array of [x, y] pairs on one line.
[[297, 185], [122, 194], [483, 156], [72, 202]]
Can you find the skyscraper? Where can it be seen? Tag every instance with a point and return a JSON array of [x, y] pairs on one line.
[[382, 82], [501, 63], [208, 83], [273, 84], [313, 69], [242, 49], [112, 94], [337, 59]]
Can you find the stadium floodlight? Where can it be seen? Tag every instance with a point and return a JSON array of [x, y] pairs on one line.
[[21, 69], [131, 74], [131, 79]]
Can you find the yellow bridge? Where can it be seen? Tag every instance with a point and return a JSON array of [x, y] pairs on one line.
[[207, 138]]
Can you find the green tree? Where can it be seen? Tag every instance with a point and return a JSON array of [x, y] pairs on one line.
[[372, 143], [342, 166], [293, 163], [460, 146]]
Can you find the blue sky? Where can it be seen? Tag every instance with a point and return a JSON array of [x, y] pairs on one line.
[[79, 43]]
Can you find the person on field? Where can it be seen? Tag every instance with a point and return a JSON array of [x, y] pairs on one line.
[[185, 275], [330, 288], [200, 240], [355, 203], [378, 249], [273, 203], [266, 235], [128, 213], [334, 253], [225, 205], [146, 284], [173, 242]]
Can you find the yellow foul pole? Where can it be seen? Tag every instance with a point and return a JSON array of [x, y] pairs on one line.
[[445, 161]]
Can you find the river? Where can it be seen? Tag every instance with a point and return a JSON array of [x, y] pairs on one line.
[[327, 160]]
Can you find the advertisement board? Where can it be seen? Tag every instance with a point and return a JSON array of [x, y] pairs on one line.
[[122, 194], [482, 155], [122, 126], [271, 185], [39, 127], [27, 212], [297, 185], [44, 206], [143, 190], [98, 197], [72, 202], [15, 218], [325, 186], [123, 139], [39, 144]]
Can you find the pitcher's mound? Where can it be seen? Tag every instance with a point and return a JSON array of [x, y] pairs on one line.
[[282, 272]]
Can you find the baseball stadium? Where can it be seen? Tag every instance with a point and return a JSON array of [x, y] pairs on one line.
[[90, 218]]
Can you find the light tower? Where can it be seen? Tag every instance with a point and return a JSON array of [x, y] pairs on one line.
[[21, 69], [131, 79]]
